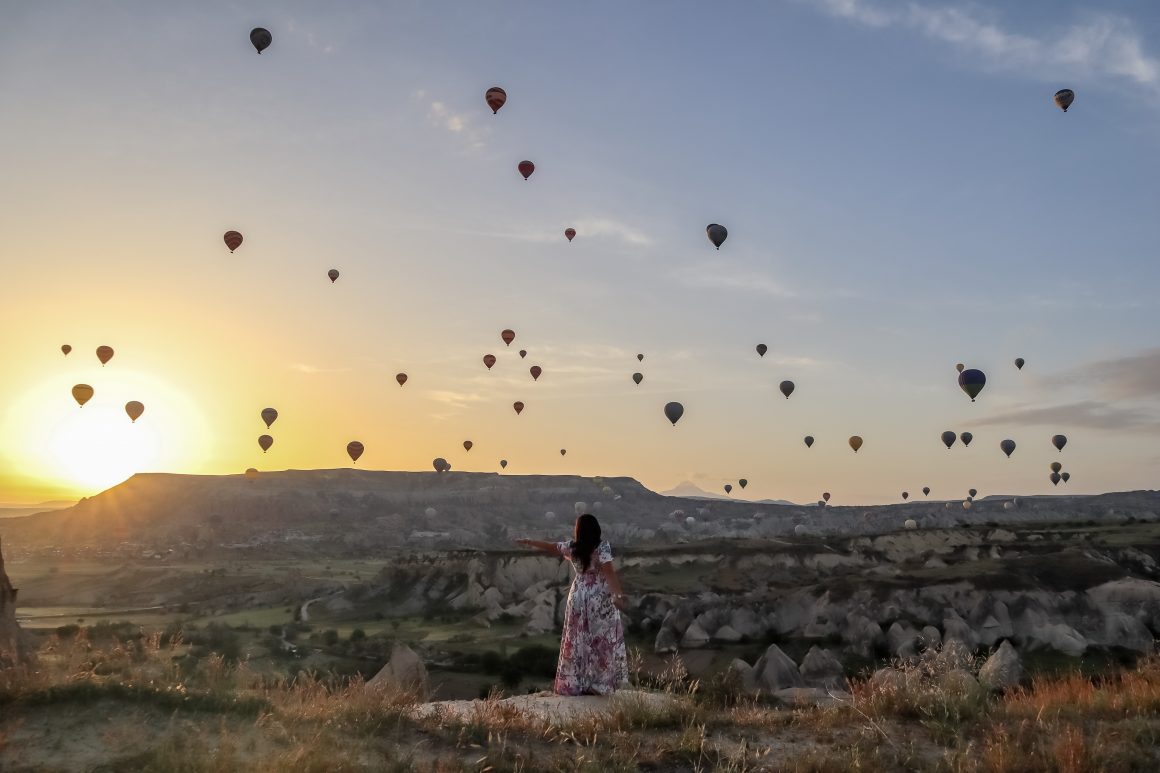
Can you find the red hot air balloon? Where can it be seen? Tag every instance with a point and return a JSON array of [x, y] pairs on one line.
[[233, 240], [489, 360], [518, 406], [570, 233], [333, 274], [495, 98], [354, 449], [104, 354], [66, 349], [536, 370], [467, 444], [526, 168], [264, 442], [508, 336], [401, 378], [826, 496]]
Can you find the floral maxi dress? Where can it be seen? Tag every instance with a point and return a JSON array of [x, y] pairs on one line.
[[592, 655]]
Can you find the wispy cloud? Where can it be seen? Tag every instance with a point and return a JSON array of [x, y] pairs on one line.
[[1100, 46], [608, 228], [311, 370], [457, 123], [722, 275], [1131, 377], [1090, 414]]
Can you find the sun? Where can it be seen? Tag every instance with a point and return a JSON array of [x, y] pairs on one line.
[[99, 447]]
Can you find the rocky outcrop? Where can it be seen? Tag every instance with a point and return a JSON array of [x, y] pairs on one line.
[[14, 649], [404, 672], [821, 668], [1003, 670], [775, 671]]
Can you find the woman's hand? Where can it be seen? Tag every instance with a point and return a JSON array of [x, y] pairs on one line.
[[620, 601], [527, 543]]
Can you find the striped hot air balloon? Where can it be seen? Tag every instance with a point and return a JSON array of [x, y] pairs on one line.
[[495, 98]]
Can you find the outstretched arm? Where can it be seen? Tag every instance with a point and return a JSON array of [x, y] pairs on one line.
[[545, 547], [613, 579]]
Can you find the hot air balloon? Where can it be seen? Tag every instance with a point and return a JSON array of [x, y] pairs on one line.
[[786, 388], [910, 523], [430, 512], [536, 370], [1056, 466], [354, 449], [508, 336], [972, 382], [467, 444], [66, 349], [439, 463], [134, 409], [717, 234], [495, 98], [638, 377], [690, 520], [1064, 98], [503, 464], [82, 393], [269, 415], [1059, 441], [1008, 447], [967, 505], [1055, 478], [674, 412], [519, 407], [251, 473], [549, 515], [264, 442], [1065, 476], [523, 353], [261, 38], [563, 452], [640, 358], [526, 168], [761, 350], [905, 495], [743, 483], [926, 491], [401, 378], [728, 488], [579, 508], [825, 496], [104, 354], [959, 367], [570, 233], [333, 274], [966, 437], [971, 493], [233, 240], [948, 438], [1019, 362], [855, 442], [809, 441], [489, 360]]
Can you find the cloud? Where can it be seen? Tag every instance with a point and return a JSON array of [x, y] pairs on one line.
[[1132, 377], [456, 123], [1101, 46], [721, 275], [311, 370], [604, 227], [1091, 414]]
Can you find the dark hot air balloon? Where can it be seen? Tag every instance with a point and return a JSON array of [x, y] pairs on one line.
[[948, 438], [251, 473], [717, 234], [1059, 441], [523, 353], [1019, 362], [526, 168], [134, 409], [82, 393], [401, 378], [354, 449], [503, 464], [1064, 98], [233, 240], [264, 442], [1056, 466], [495, 98], [467, 444], [563, 452], [261, 38], [333, 274], [638, 377], [489, 360], [1055, 478], [966, 437], [269, 415], [570, 233], [826, 496], [104, 354], [66, 349], [535, 370], [440, 464], [905, 495], [519, 407], [809, 441], [926, 491], [1008, 447], [855, 442], [1065, 476], [743, 483], [972, 382], [971, 493], [959, 367], [728, 488], [640, 358], [786, 388], [508, 336], [674, 412], [761, 350]]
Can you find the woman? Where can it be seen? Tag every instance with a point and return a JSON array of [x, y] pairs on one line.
[[592, 657]]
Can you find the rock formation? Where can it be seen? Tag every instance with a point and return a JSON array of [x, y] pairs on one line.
[[1003, 669], [14, 649], [403, 672]]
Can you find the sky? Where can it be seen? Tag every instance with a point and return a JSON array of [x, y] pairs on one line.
[[900, 192]]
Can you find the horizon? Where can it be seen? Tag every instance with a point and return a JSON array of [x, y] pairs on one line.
[[901, 195]]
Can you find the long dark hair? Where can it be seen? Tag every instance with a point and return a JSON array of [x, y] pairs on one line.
[[585, 538]]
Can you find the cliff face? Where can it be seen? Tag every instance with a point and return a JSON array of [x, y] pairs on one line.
[[13, 649]]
